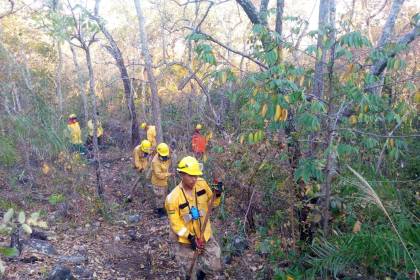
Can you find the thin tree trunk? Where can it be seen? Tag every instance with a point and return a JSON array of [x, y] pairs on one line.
[[82, 88], [58, 75], [96, 158], [377, 69], [331, 123], [149, 69], [318, 87], [115, 52], [279, 27]]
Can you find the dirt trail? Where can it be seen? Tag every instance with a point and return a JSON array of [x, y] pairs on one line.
[[132, 244]]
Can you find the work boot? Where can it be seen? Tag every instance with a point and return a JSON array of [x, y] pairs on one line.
[[201, 275]]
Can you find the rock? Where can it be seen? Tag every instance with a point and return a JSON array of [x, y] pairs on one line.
[[77, 259], [107, 165], [134, 218], [240, 244], [39, 235], [60, 273], [41, 246], [83, 273], [132, 233]]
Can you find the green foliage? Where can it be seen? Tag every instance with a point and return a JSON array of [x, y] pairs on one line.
[[56, 198], [205, 53], [8, 153], [378, 252]]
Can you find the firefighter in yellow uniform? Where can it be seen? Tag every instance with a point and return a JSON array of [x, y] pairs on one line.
[[141, 155], [75, 134], [186, 206], [150, 133], [160, 174], [99, 132]]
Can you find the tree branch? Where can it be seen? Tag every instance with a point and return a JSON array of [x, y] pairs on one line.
[[379, 67], [250, 11], [210, 38]]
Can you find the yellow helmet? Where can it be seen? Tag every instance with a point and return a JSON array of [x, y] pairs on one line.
[[143, 125], [163, 149], [72, 116], [145, 146], [198, 126], [190, 165]]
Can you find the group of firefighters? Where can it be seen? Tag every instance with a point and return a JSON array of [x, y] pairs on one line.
[[194, 247], [196, 250], [74, 132]]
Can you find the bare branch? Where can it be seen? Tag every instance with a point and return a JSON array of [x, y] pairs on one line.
[[210, 38]]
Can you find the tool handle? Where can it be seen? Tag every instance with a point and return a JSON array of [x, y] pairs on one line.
[[203, 228]]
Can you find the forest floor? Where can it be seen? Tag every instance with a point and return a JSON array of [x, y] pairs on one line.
[[126, 241]]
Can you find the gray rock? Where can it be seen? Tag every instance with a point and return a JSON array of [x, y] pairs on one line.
[[83, 273], [134, 218], [41, 246], [60, 273], [78, 259], [239, 244]]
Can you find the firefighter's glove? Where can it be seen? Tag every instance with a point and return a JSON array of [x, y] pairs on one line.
[[196, 244]]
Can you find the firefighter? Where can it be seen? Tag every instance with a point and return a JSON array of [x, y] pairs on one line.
[[160, 174], [150, 133], [186, 206], [75, 134]]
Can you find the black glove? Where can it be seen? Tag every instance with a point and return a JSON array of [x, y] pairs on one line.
[[218, 189], [191, 238]]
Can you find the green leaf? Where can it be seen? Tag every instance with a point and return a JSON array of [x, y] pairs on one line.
[[21, 217], [9, 252], [27, 228], [35, 215], [8, 215]]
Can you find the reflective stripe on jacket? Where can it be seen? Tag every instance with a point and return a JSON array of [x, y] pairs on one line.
[[178, 208]]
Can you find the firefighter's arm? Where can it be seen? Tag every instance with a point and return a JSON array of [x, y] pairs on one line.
[[175, 220]]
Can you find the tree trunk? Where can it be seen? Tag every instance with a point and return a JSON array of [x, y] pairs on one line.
[[58, 75], [149, 69], [318, 87], [378, 68], [279, 27], [96, 159], [81, 84], [331, 166], [115, 51]]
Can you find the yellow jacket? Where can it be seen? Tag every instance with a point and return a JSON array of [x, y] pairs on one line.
[[177, 208], [99, 131], [160, 172], [141, 160], [75, 133], [151, 134]]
